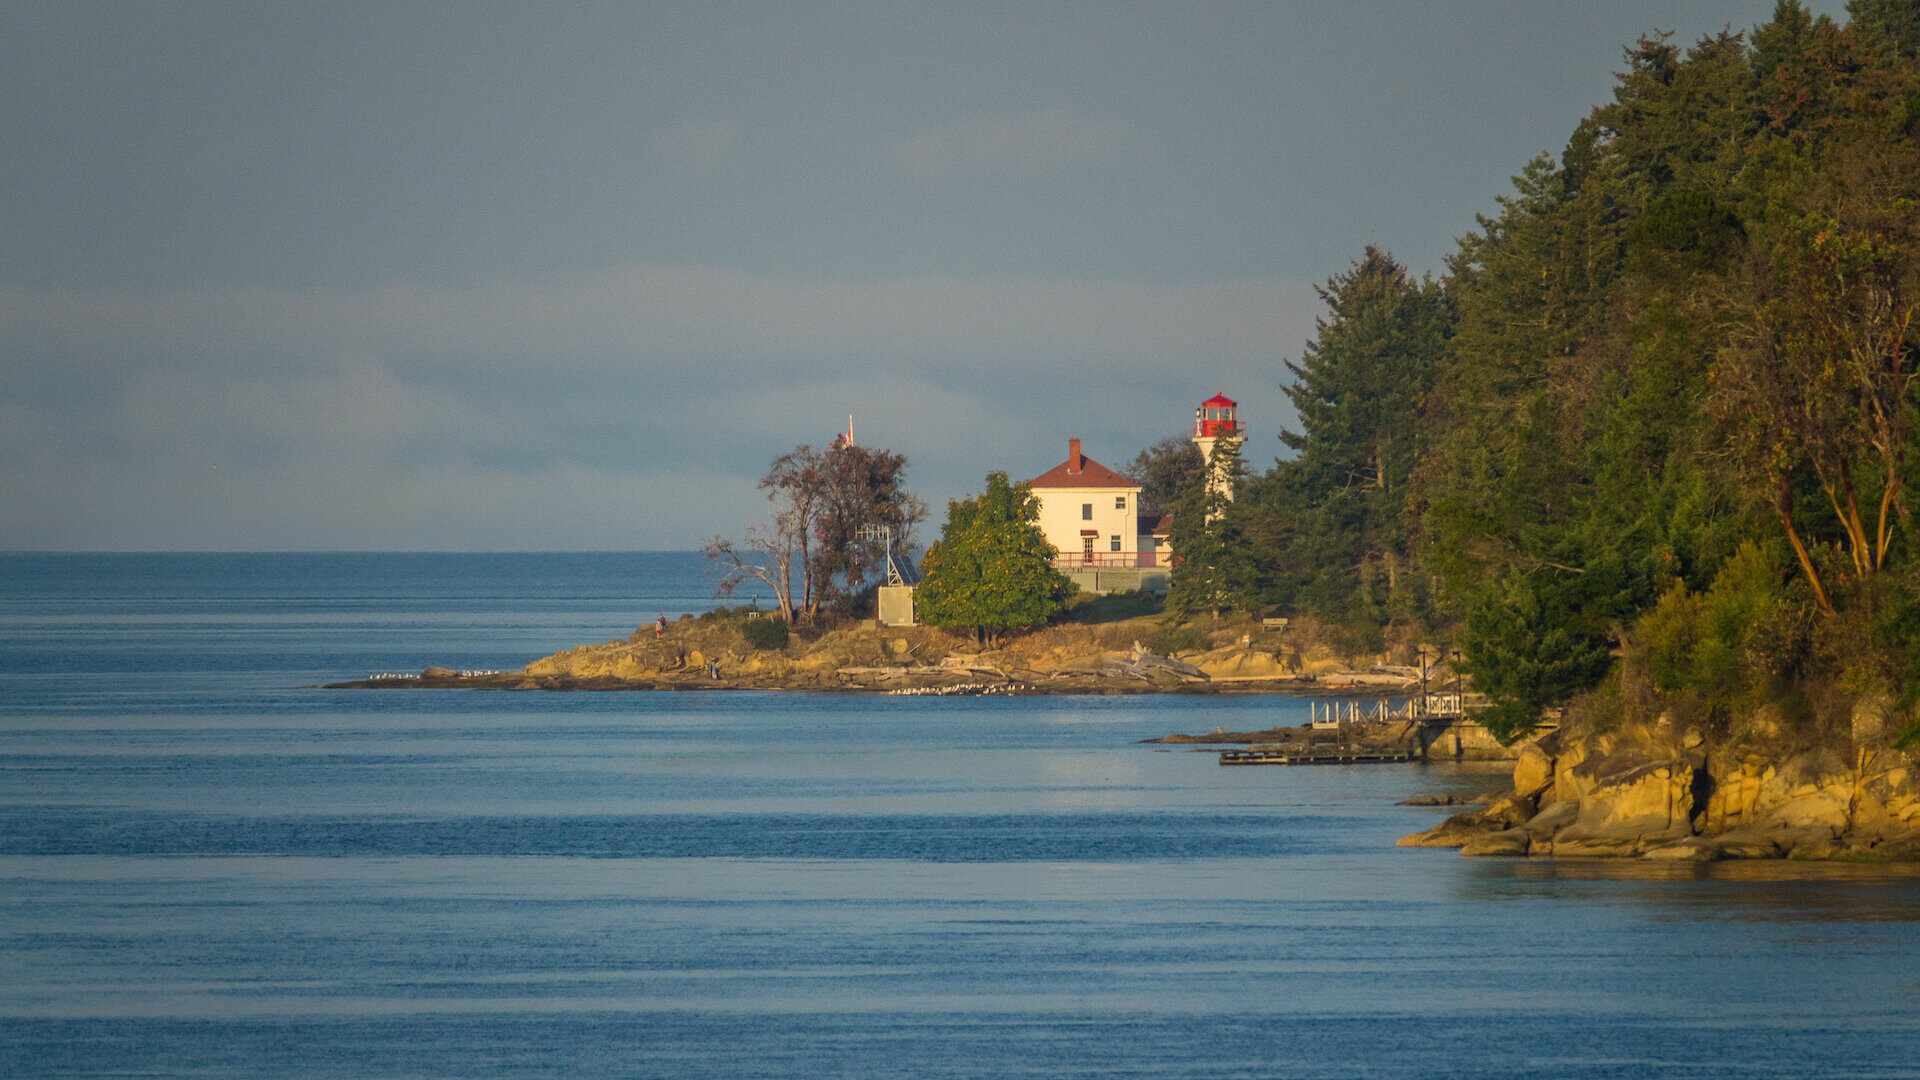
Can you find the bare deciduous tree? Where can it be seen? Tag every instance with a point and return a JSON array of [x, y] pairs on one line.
[[813, 548]]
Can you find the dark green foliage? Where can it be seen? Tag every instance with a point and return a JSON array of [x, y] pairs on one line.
[[1524, 655], [1329, 526], [1114, 607], [1663, 345], [1687, 229], [1896, 636], [1211, 568], [1165, 471], [992, 569], [764, 634], [1892, 26]]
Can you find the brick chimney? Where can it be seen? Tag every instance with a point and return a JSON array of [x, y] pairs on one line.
[[1073, 455]]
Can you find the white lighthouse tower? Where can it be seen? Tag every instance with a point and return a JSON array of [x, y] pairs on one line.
[[1215, 420]]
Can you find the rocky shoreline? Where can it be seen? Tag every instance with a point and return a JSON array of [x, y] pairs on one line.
[[904, 682], [1110, 657], [1651, 792]]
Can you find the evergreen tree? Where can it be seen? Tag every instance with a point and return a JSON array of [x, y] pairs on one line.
[[991, 571], [1892, 25], [1165, 471], [1210, 555], [1330, 524]]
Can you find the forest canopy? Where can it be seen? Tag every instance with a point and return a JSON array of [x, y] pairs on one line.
[[1647, 441]]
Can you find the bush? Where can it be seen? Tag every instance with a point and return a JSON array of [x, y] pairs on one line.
[[1726, 644], [765, 634], [1177, 639]]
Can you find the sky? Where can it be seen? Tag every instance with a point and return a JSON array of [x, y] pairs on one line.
[[539, 276]]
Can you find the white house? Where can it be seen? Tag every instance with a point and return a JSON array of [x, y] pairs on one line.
[[1091, 515]]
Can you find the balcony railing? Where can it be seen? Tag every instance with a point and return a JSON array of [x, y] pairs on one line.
[[1126, 560]]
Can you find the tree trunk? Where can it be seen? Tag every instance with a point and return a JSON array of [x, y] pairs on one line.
[[1883, 527], [1785, 509]]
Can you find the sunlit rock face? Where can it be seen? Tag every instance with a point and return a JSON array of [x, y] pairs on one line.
[[1651, 791]]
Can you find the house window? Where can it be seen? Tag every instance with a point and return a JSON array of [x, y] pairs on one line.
[[1120, 502], [1113, 544], [1086, 511]]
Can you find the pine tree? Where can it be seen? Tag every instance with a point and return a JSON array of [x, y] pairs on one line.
[[1334, 515], [1892, 25], [1210, 554]]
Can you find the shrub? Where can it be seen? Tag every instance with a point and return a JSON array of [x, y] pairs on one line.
[[1177, 639], [764, 634], [1723, 644]]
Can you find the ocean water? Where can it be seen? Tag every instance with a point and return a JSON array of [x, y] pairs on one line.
[[210, 869]]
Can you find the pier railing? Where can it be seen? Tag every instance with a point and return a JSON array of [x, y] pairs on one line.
[[1332, 714]]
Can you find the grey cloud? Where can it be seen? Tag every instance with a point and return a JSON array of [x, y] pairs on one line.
[[416, 416], [664, 311], [1040, 141]]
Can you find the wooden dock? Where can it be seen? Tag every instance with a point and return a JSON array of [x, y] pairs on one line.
[[1316, 755]]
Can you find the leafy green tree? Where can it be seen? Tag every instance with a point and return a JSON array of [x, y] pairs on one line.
[[1210, 567], [991, 572], [1722, 645], [1816, 379]]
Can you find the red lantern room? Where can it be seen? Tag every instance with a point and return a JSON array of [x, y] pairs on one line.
[[1214, 418]]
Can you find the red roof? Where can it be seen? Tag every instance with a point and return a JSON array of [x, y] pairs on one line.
[[1156, 524], [1091, 474], [1219, 401]]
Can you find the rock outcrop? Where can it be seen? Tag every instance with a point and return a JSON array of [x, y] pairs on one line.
[[1102, 654], [1659, 794]]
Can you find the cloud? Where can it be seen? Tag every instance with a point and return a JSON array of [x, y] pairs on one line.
[[310, 504], [698, 148], [647, 312], [1043, 141], [631, 407]]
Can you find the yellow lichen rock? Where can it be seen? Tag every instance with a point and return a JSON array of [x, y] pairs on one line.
[[1628, 804]]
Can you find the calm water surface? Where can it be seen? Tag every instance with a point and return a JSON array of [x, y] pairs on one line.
[[208, 870]]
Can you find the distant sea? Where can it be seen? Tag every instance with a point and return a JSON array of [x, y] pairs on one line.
[[209, 869]]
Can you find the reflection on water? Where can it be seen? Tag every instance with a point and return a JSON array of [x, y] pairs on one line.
[[205, 870]]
